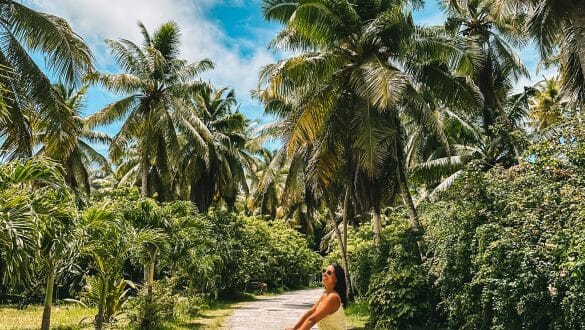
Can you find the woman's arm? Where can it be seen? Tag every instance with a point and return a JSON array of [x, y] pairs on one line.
[[329, 305], [306, 315]]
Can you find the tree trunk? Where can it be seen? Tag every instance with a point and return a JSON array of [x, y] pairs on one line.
[[145, 273], [99, 318], [144, 177], [343, 249], [346, 210], [376, 226], [46, 323], [412, 215], [150, 282]]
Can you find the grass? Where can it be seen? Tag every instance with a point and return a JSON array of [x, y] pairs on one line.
[[210, 318], [64, 317], [69, 317], [357, 314]]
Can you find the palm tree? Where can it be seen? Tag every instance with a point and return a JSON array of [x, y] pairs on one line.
[[213, 159], [357, 73], [267, 181], [437, 168], [149, 238], [67, 140], [18, 229], [494, 135], [27, 90], [108, 242], [155, 84], [491, 28], [558, 26], [36, 224], [548, 104]]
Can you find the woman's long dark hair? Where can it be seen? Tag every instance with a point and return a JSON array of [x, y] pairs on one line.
[[340, 286]]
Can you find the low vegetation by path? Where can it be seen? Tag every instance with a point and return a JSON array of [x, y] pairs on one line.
[[77, 317], [221, 315], [67, 317]]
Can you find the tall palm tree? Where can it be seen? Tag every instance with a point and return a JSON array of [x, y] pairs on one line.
[[214, 160], [68, 140], [267, 183], [357, 72], [558, 26], [27, 90], [437, 168], [491, 28], [155, 83], [282, 185]]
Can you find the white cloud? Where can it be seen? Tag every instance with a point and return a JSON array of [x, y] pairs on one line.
[[97, 20]]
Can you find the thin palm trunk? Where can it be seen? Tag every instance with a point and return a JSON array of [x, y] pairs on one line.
[[46, 323], [99, 318], [343, 249], [346, 210], [145, 273], [376, 226], [411, 210], [150, 281], [144, 174], [346, 214]]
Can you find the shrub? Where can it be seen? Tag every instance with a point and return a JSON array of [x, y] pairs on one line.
[[251, 249], [400, 296], [506, 246], [149, 311]]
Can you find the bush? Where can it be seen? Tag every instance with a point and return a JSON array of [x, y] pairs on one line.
[[251, 249], [149, 311], [507, 246], [400, 296]]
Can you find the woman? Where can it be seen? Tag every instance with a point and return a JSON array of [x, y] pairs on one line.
[[327, 312]]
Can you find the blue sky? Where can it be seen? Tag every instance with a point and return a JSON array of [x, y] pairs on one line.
[[231, 33]]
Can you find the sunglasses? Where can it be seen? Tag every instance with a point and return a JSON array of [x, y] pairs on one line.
[[326, 272]]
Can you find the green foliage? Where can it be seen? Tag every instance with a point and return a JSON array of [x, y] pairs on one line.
[[399, 296], [506, 246], [363, 259], [150, 309], [116, 291], [250, 249]]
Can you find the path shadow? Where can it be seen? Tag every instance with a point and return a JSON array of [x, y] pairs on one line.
[[297, 306]]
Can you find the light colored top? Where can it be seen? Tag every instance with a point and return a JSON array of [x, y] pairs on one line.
[[335, 321]]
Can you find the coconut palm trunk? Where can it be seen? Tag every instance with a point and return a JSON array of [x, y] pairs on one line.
[[411, 210], [144, 177], [376, 226], [343, 249], [346, 211], [46, 323]]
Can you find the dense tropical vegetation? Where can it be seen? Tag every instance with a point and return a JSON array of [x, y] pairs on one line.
[[452, 196]]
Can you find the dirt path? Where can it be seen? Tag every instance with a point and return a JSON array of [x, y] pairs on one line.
[[276, 312]]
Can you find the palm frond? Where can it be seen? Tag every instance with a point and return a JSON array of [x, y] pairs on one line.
[[66, 53]]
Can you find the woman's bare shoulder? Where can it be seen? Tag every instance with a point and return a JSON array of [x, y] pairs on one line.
[[332, 298]]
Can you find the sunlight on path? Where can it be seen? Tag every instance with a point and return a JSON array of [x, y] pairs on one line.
[[275, 312]]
